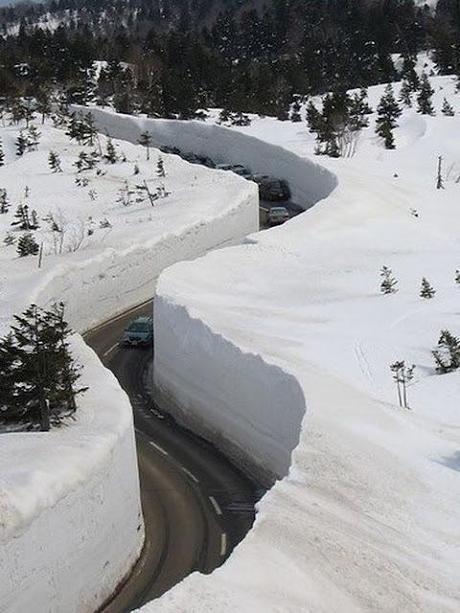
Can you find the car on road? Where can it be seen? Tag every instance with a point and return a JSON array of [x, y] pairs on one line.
[[277, 215], [139, 332], [272, 189]]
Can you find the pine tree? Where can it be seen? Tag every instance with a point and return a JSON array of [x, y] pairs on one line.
[[27, 245], [37, 370], [425, 106], [224, 116], [388, 284], [387, 113], [314, 118], [33, 138], [447, 109], [54, 161], [4, 202], [405, 94], [34, 224], [88, 129], [426, 290], [21, 144], [21, 217], [447, 353], [110, 155], [161, 174], [73, 127], [145, 139], [2, 155], [295, 111]]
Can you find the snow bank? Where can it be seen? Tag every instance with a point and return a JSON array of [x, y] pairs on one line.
[[309, 182], [367, 518], [70, 518]]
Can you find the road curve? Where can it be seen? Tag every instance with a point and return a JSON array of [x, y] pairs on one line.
[[197, 506]]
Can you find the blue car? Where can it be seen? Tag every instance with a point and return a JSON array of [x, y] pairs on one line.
[[139, 332]]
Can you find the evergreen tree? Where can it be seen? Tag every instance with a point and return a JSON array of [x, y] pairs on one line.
[[314, 118], [145, 139], [37, 370], [88, 129], [21, 217], [387, 113], [27, 245], [21, 144], [4, 202], [425, 106], [161, 174], [408, 72], [110, 154], [224, 116], [54, 161], [43, 105], [2, 155], [447, 109], [388, 283], [34, 224], [295, 111], [405, 94], [426, 290], [447, 353], [33, 138]]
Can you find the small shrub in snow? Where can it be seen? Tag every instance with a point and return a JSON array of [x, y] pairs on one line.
[[105, 223], [21, 144], [240, 119], [33, 138], [9, 239], [447, 109], [27, 245], [54, 161], [86, 161], [2, 155], [405, 94], [110, 155], [447, 353], [388, 283], [125, 195], [402, 375], [4, 202], [224, 116], [136, 169], [426, 290], [161, 174], [425, 106], [82, 181], [457, 276]]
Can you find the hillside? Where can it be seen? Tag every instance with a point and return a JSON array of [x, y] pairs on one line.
[[366, 518]]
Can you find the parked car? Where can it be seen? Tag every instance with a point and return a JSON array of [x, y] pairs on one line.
[[242, 171], [274, 190], [139, 331], [277, 215]]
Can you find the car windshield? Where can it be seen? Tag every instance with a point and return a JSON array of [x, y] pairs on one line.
[[138, 326]]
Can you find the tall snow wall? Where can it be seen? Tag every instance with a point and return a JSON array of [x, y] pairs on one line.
[[309, 182], [252, 410], [71, 526], [70, 519]]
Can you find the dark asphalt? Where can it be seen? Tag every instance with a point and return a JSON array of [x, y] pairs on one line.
[[197, 506]]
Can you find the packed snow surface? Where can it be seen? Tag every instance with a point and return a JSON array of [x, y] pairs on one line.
[[367, 518]]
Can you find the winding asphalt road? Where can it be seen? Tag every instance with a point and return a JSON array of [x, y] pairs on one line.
[[197, 506]]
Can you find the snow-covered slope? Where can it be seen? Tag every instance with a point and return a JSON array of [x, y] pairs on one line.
[[367, 518], [70, 522]]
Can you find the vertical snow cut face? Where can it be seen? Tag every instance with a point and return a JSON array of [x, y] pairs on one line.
[[248, 408]]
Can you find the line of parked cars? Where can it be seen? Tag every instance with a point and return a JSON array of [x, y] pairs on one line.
[[271, 189]]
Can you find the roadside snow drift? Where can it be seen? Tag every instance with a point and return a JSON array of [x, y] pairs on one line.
[[70, 518], [367, 519]]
